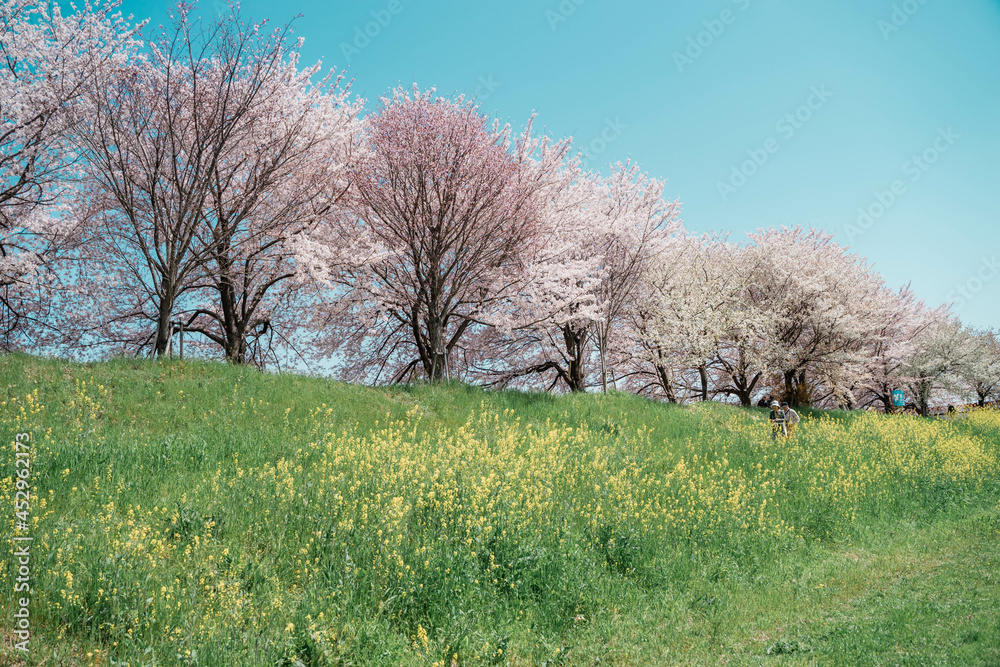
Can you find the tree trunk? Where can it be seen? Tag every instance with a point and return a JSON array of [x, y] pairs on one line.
[[576, 382], [924, 398], [604, 372], [663, 375], [576, 343], [791, 396], [436, 364], [743, 387], [744, 393], [703, 374], [163, 325], [233, 330]]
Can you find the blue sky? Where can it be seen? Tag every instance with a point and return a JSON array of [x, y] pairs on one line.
[[756, 112]]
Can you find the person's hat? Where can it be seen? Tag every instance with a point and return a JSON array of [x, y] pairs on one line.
[[774, 403], [784, 405]]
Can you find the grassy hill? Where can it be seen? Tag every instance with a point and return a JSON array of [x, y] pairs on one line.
[[202, 514]]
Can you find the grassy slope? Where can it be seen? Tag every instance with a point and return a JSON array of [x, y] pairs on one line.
[[913, 580]]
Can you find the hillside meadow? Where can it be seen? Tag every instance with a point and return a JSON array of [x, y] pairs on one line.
[[188, 513]]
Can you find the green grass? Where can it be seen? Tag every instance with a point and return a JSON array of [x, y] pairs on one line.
[[217, 485]]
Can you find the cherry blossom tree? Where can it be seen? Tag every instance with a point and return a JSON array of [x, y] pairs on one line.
[[186, 146], [211, 179], [47, 61], [446, 218], [902, 317], [944, 350], [675, 319], [818, 296], [606, 230], [283, 171], [721, 318], [699, 331], [548, 323], [982, 373], [640, 227], [741, 359]]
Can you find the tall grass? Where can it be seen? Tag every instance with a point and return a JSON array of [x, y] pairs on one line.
[[192, 513]]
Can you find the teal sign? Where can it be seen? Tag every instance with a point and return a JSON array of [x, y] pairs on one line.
[[898, 398]]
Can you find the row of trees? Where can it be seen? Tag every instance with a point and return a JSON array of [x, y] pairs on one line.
[[199, 176]]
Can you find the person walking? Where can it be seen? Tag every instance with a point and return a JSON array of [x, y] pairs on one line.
[[792, 420], [777, 420]]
